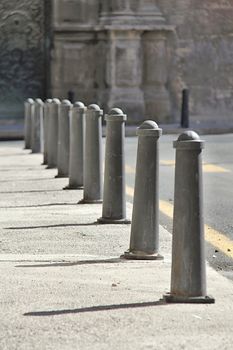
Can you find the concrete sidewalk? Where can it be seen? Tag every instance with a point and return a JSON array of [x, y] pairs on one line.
[[63, 285]]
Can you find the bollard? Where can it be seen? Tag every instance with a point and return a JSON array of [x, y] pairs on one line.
[[114, 204], [70, 96], [144, 238], [45, 127], [185, 109], [32, 113], [27, 122], [53, 133], [188, 275], [77, 124], [37, 127], [93, 168], [63, 139]]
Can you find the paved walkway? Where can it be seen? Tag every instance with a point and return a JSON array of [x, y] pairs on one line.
[[63, 285]]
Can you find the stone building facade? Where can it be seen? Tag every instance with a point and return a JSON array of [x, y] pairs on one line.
[[133, 54]]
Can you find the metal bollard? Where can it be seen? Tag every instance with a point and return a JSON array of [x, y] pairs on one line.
[[188, 274], [114, 204], [45, 127], [32, 113], [185, 109], [77, 125], [93, 168], [63, 139], [70, 96], [144, 239], [37, 127], [27, 122], [53, 133]]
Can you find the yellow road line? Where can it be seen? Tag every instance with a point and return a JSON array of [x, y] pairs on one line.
[[207, 167], [167, 162], [211, 168], [129, 191], [217, 239], [129, 169]]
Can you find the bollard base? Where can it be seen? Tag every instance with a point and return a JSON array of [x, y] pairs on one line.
[[90, 201], [51, 167], [139, 255], [113, 221], [73, 187], [171, 298], [60, 176]]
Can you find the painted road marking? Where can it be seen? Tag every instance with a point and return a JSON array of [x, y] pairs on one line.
[[217, 239], [167, 162], [212, 168], [207, 167], [129, 169]]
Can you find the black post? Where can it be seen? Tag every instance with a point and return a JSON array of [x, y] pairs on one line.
[[71, 96], [185, 109]]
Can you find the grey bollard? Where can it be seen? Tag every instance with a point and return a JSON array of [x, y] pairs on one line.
[[144, 238], [45, 128], [37, 127], [188, 274], [32, 113], [27, 122], [93, 167], [114, 203], [77, 125], [63, 139], [54, 111]]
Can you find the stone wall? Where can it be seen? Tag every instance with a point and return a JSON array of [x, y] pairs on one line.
[[139, 55], [203, 55]]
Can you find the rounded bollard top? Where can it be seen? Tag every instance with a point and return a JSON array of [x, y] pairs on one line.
[[49, 100], [188, 135], [95, 110], [39, 102], [189, 140], [149, 128], [56, 101], [79, 104], [66, 103], [148, 124], [94, 107], [30, 100], [116, 111], [115, 114]]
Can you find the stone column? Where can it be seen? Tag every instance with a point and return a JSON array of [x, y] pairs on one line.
[[155, 71], [136, 58], [124, 75]]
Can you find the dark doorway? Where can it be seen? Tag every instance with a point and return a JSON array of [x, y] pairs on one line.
[[23, 54]]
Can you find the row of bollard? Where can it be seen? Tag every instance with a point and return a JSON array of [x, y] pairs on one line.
[[70, 138]]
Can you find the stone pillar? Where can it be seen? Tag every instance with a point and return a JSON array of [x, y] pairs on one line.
[[155, 76], [124, 75], [137, 33]]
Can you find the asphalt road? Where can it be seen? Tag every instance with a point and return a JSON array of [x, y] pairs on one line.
[[218, 192]]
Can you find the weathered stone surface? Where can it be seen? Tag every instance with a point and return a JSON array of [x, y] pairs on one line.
[[141, 64]]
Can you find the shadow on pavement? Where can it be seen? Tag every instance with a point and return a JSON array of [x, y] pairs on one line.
[[49, 226], [96, 308], [36, 205], [32, 191], [81, 262]]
